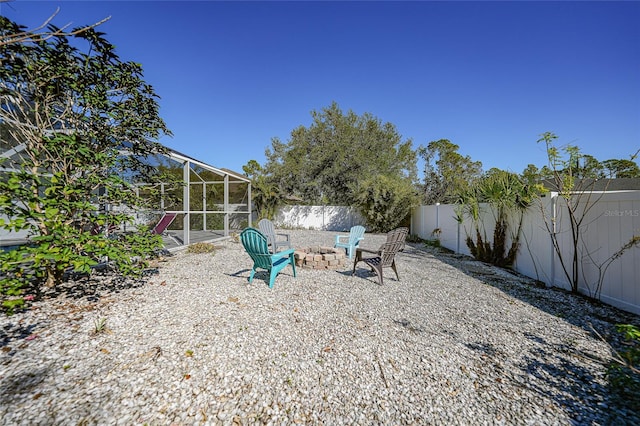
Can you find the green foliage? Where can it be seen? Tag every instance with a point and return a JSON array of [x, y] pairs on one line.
[[11, 291], [447, 173], [506, 194], [265, 195], [129, 252], [617, 168], [414, 238], [267, 198], [385, 201], [100, 325], [323, 163], [434, 242], [624, 371], [77, 128], [568, 168], [197, 248], [215, 221], [532, 175], [631, 334]]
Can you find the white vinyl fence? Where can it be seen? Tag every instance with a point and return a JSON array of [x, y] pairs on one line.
[[324, 218], [612, 221]]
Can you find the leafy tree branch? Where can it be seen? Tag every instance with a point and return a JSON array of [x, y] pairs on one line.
[[77, 130]]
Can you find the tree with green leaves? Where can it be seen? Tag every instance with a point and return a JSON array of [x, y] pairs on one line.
[[77, 125], [587, 167], [575, 186], [322, 163], [531, 174], [335, 159], [266, 196], [385, 201], [447, 172], [620, 168]]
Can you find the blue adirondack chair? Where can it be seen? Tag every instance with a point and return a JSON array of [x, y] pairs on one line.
[[351, 241], [255, 243]]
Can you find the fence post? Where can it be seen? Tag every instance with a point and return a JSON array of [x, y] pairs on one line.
[[554, 230]]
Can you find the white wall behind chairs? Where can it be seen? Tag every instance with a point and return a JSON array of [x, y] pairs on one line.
[[324, 218]]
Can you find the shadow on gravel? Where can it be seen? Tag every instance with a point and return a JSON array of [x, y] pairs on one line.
[[407, 324], [574, 309], [260, 275], [14, 386], [574, 386], [240, 273], [89, 288], [11, 332], [97, 285], [368, 274]]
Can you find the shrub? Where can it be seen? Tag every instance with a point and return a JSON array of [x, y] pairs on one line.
[[385, 201], [624, 371], [70, 108], [198, 248]]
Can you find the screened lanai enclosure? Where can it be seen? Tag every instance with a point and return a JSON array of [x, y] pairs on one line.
[[207, 204]]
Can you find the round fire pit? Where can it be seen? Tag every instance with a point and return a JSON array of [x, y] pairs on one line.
[[318, 257]]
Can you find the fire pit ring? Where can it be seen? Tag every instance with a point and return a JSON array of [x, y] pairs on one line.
[[318, 257]]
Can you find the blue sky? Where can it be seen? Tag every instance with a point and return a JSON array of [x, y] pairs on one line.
[[489, 76]]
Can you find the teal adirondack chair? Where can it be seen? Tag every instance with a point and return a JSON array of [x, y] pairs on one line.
[[255, 243], [350, 242]]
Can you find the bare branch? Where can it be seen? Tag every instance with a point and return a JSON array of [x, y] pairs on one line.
[[40, 33]]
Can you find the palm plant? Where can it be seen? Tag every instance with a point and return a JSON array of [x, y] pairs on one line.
[[266, 197], [506, 195]]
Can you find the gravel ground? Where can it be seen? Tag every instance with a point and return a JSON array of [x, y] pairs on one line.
[[453, 342]]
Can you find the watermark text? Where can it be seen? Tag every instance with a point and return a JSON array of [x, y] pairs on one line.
[[622, 213]]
